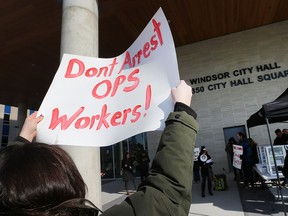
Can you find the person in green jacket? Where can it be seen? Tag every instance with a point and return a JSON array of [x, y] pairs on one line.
[[41, 179]]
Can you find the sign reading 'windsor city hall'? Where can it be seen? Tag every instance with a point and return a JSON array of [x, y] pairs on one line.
[[239, 77]]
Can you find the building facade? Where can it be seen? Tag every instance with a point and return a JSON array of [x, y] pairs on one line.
[[232, 76]]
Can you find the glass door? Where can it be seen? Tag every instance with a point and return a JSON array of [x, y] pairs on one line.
[[111, 156]]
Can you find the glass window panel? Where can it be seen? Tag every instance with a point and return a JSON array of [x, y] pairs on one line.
[[31, 111], [6, 118], [7, 109], [111, 156], [118, 156], [107, 161]]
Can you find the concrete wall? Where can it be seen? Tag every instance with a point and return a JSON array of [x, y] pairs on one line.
[[240, 62]]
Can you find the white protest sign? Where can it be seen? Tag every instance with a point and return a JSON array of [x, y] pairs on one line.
[[196, 153], [237, 150], [99, 102]]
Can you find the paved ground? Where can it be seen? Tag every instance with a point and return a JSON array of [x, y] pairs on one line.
[[236, 201], [259, 201], [222, 203]]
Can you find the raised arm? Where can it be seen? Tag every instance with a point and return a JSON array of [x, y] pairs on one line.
[[167, 189]]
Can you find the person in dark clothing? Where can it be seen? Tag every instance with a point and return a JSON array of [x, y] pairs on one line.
[[247, 159], [196, 170], [229, 150], [143, 166], [128, 175], [281, 138], [253, 145], [255, 157], [205, 162], [284, 169]]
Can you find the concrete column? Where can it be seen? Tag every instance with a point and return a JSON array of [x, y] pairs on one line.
[[80, 36]]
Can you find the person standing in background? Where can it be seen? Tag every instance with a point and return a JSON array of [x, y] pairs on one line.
[[143, 166], [255, 158], [205, 162], [196, 171], [281, 138], [247, 160], [285, 170], [230, 152], [128, 174]]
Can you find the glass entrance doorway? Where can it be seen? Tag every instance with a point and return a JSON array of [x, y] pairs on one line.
[[111, 156]]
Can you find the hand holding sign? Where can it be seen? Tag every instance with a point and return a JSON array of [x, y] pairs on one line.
[[28, 130], [183, 93]]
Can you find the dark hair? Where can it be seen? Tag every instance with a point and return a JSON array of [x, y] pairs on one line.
[[126, 154], [232, 140], [241, 134], [277, 130], [251, 142], [203, 148], [40, 179]]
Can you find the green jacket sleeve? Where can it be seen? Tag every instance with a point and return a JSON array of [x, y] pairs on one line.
[[167, 190]]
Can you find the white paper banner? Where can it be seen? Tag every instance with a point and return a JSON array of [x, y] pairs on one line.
[[99, 102], [237, 150]]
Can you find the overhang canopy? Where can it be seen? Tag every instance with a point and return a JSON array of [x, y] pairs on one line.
[[275, 111]]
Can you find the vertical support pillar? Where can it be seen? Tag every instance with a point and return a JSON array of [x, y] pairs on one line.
[[80, 37]]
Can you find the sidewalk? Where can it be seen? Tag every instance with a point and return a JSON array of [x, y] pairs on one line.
[[222, 203]]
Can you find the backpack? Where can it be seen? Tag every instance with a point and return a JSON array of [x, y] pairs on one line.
[[220, 182]]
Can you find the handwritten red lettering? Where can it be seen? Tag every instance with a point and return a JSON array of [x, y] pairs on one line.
[[157, 30], [132, 78], [118, 81], [148, 98], [129, 84], [103, 120], [100, 84], [126, 112], [65, 123], [76, 68], [103, 117], [116, 116], [154, 43], [146, 50], [70, 68], [148, 47], [136, 113], [127, 61], [82, 122]]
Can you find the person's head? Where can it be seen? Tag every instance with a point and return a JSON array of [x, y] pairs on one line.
[[232, 140], [251, 142], [240, 136], [278, 132], [285, 131], [39, 179], [127, 155], [203, 150]]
